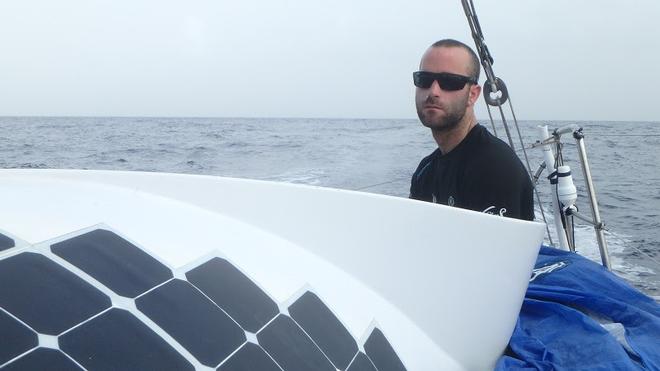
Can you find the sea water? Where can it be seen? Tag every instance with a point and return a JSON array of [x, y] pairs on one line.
[[371, 155]]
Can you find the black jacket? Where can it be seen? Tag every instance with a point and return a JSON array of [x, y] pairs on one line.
[[482, 173]]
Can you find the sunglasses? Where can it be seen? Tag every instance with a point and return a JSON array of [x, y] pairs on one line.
[[447, 81]]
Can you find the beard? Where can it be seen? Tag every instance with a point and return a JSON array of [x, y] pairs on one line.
[[448, 118]]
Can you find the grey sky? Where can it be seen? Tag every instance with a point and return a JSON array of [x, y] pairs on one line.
[[582, 60]]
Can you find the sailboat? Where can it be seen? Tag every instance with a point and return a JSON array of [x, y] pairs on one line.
[[108, 270]]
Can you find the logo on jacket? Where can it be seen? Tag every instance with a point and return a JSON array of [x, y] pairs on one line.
[[492, 210]]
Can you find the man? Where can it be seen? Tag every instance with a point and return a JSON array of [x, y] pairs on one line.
[[471, 168]]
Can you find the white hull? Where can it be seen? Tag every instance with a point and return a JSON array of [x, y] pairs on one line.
[[445, 285]]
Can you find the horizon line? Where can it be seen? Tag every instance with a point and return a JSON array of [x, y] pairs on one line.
[[297, 118]]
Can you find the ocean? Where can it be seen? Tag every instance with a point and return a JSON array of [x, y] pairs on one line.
[[369, 155]]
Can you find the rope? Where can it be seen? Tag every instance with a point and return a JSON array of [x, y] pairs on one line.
[[506, 125], [529, 167], [495, 85], [492, 122], [487, 62], [515, 121], [477, 35], [379, 184]]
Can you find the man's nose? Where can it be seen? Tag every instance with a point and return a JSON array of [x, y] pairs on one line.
[[435, 90]]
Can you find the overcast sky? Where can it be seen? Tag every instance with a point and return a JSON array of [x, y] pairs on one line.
[[561, 59]]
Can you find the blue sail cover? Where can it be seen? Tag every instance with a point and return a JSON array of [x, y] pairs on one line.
[[578, 316]]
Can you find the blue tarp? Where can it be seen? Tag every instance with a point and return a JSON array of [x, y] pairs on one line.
[[570, 317]]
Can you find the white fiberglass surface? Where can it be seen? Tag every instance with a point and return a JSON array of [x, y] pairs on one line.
[[441, 282]]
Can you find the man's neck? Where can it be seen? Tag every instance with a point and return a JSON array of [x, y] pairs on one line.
[[448, 139]]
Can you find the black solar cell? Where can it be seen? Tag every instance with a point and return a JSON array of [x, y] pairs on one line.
[[114, 262], [116, 340], [193, 321], [324, 328], [241, 298], [381, 352], [15, 338], [43, 359], [6, 242], [52, 300], [361, 363], [46, 296], [249, 358], [286, 342]]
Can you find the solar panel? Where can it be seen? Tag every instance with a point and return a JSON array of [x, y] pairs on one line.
[[46, 296], [286, 342], [43, 359], [215, 317], [324, 328], [241, 298], [250, 357], [15, 338], [192, 320], [6, 242], [381, 352], [104, 255], [361, 363], [117, 340]]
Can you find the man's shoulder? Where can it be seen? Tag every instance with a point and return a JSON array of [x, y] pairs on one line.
[[490, 142], [492, 157], [422, 179], [425, 164], [491, 149]]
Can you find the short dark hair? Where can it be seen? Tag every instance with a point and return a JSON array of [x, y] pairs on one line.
[[475, 67]]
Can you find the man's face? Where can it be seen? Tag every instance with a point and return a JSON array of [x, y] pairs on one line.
[[439, 109]]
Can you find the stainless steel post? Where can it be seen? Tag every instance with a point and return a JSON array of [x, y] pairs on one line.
[[569, 233], [550, 165], [598, 224]]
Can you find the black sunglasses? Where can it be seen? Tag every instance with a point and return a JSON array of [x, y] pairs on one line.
[[447, 81]]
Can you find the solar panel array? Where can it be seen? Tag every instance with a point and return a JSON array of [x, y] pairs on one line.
[[96, 301], [6, 242]]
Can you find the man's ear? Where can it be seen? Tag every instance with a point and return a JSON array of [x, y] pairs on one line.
[[475, 92]]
